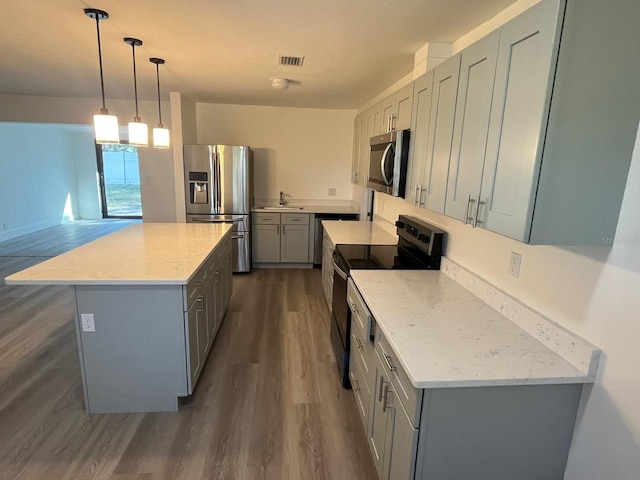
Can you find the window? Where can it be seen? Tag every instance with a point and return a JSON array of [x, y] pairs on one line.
[[119, 180]]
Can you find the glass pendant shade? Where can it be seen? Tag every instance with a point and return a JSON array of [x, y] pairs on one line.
[[106, 128], [138, 134], [105, 125], [161, 137]]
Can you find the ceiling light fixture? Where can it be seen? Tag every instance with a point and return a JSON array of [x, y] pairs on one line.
[[105, 125], [280, 83], [160, 134], [138, 131]]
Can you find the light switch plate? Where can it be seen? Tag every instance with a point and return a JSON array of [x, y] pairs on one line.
[[514, 264], [332, 191], [88, 323]]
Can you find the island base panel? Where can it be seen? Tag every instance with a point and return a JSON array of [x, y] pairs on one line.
[[135, 361]]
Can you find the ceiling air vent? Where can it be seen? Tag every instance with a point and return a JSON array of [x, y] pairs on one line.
[[291, 61]]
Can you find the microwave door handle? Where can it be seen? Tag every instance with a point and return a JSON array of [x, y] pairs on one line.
[[383, 163]]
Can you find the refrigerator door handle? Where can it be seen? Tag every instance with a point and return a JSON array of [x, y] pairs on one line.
[[219, 182]]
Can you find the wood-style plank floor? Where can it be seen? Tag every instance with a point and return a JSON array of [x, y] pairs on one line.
[[268, 404]]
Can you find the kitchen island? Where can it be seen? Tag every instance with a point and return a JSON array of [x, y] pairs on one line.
[[149, 300]]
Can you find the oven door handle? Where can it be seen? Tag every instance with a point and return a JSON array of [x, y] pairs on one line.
[[339, 271]]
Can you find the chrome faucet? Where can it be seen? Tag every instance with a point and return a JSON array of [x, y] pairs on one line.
[[282, 200]]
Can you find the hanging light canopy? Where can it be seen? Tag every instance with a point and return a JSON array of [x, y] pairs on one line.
[[105, 125], [138, 131], [160, 134]]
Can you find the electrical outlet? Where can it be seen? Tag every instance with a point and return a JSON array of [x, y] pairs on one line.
[[514, 264], [332, 191], [88, 324]]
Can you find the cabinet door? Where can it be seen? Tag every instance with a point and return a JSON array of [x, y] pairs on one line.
[[378, 432], [266, 243], [419, 139], [294, 243], [218, 290], [387, 113], [402, 454], [443, 105], [357, 144], [473, 107], [519, 111], [361, 390], [403, 103], [194, 318]]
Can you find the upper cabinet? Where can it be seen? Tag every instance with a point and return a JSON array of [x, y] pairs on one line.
[[473, 106], [395, 111], [539, 143]]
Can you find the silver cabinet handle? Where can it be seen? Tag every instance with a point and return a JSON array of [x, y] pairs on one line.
[[385, 402], [356, 385], [354, 308], [422, 190], [382, 383], [283, 229], [476, 221], [391, 367], [359, 342], [278, 229], [467, 217], [416, 200]]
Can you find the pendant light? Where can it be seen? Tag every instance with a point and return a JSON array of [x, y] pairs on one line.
[[138, 131], [160, 134], [105, 125]]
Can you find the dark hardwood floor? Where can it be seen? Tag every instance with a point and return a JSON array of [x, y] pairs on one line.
[[268, 403]]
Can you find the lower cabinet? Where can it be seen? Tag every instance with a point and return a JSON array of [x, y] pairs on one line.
[[281, 238], [207, 296], [462, 433], [327, 270]]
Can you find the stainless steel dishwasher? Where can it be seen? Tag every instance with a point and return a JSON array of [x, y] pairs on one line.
[[319, 232]]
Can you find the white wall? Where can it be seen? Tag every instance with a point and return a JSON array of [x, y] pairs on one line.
[[156, 165], [37, 182], [86, 172], [300, 151]]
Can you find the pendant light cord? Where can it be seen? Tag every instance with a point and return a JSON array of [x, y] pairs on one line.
[[159, 108], [135, 82], [104, 107]]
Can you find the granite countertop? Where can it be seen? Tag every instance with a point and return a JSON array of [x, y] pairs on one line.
[[362, 232], [444, 336], [143, 254]]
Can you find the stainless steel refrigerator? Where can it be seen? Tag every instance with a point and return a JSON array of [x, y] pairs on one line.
[[219, 188]]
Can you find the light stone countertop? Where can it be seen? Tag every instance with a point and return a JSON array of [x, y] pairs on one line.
[[311, 209], [142, 254], [444, 336], [362, 232]]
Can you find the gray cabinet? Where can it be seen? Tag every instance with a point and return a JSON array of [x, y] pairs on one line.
[[466, 433], [443, 105], [327, 270], [475, 87], [281, 238], [419, 142]]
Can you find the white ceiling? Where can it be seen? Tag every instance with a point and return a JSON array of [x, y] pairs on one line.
[[226, 51]]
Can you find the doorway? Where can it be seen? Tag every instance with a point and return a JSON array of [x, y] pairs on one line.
[[119, 178]]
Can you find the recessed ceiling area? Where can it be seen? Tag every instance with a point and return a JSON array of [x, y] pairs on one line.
[[228, 51]]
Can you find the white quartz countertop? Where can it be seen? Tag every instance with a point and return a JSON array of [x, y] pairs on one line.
[[362, 232], [303, 208], [146, 253], [444, 336]]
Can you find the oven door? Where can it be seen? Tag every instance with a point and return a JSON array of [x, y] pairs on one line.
[[341, 312]]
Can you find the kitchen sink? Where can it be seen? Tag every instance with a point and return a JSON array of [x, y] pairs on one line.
[[283, 208]]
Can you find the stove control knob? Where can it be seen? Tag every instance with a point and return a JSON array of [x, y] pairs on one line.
[[399, 224], [412, 231], [423, 238]]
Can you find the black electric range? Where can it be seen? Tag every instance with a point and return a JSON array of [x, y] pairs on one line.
[[419, 247]]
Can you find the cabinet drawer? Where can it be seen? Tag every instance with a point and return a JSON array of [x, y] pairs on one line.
[[361, 390], [194, 286], [295, 218], [360, 315], [410, 396], [260, 218]]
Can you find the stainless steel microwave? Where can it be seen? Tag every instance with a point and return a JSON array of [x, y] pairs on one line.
[[388, 162]]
